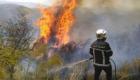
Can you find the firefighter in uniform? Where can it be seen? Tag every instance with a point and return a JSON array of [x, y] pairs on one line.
[[101, 52]]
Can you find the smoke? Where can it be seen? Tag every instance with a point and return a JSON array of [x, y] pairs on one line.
[[122, 26], [111, 4]]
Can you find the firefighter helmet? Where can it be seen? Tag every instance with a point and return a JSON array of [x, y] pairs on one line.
[[101, 34]]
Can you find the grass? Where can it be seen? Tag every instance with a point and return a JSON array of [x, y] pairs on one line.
[[81, 71]]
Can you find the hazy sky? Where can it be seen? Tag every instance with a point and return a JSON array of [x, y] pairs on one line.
[[44, 2], [115, 4], [33, 1]]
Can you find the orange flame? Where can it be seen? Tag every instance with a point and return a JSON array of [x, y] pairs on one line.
[[61, 19], [65, 21], [45, 23]]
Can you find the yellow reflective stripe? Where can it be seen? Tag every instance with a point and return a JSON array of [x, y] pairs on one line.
[[94, 55], [105, 65], [103, 54], [103, 50], [108, 50]]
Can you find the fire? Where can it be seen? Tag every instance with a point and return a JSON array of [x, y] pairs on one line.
[[57, 21], [65, 21], [45, 23]]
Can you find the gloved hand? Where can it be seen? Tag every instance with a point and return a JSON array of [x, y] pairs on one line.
[[91, 51], [91, 58]]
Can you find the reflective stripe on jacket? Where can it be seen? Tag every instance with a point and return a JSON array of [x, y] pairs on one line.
[[101, 52]]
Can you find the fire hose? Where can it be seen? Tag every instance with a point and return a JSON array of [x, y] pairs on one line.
[[115, 67], [86, 60]]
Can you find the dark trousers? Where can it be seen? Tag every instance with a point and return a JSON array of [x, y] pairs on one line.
[[98, 70]]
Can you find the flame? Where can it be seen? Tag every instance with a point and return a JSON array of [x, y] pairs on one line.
[[65, 21], [60, 18], [45, 23]]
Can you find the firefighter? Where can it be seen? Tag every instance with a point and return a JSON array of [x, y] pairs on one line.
[[101, 52]]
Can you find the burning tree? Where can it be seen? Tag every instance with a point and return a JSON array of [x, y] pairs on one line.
[[56, 22]]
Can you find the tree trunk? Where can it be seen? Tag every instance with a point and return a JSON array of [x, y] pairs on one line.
[[11, 72]]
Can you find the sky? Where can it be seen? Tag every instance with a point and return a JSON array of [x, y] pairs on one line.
[[44, 2], [115, 4]]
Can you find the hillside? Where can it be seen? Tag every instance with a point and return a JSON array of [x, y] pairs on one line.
[[11, 11]]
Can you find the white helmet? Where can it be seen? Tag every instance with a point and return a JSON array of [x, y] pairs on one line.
[[101, 34]]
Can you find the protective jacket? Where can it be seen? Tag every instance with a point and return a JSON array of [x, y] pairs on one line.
[[101, 52]]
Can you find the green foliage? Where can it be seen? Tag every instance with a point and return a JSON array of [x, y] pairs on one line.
[[54, 61], [38, 50], [8, 58], [2, 74], [42, 72], [15, 39]]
